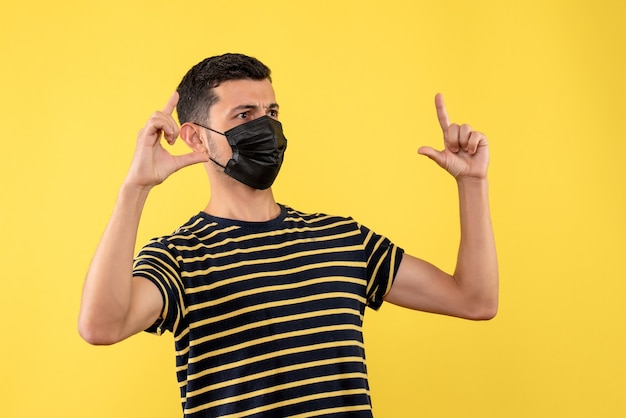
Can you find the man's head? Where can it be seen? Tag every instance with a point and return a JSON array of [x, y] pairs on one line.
[[196, 90], [227, 108]]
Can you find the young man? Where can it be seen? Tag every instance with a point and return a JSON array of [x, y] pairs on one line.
[[265, 302]]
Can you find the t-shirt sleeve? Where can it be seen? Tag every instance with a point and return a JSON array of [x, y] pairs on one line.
[[383, 261], [157, 263]]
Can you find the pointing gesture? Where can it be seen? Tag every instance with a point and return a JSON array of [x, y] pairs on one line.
[[152, 163], [465, 153]]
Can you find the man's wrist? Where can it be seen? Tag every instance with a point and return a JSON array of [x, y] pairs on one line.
[[464, 181], [134, 191]]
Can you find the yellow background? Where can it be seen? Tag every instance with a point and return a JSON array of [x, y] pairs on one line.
[[355, 79]]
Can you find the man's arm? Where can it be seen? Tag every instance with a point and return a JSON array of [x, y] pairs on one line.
[[115, 305], [472, 291]]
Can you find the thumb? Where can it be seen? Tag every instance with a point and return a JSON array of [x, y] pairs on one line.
[[191, 158], [433, 154]]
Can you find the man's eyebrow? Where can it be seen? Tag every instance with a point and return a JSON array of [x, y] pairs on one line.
[[241, 107], [244, 107]]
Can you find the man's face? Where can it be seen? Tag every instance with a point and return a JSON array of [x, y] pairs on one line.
[[239, 101]]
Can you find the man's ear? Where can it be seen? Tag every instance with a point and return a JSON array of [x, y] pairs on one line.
[[190, 133]]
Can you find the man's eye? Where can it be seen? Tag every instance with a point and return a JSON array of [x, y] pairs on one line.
[[273, 113], [243, 115]]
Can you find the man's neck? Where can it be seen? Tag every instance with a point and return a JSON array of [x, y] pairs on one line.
[[243, 204]]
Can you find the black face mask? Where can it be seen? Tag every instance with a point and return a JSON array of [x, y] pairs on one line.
[[258, 150]]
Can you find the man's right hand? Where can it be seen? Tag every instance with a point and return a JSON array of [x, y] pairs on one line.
[[115, 305], [152, 163]]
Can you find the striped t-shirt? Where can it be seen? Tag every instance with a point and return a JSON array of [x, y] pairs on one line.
[[267, 316]]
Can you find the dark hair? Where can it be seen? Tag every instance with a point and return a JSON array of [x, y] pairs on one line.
[[196, 88]]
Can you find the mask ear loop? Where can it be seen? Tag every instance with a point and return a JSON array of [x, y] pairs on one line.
[[210, 129], [216, 163], [217, 132]]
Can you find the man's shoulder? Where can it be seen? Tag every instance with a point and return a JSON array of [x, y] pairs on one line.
[[185, 232]]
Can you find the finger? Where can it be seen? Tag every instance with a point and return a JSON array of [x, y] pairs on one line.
[[191, 158], [477, 139], [442, 114], [433, 154], [171, 132], [451, 137], [170, 129], [464, 136], [171, 103], [157, 124]]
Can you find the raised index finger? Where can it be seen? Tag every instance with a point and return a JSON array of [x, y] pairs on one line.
[[442, 114], [171, 103]]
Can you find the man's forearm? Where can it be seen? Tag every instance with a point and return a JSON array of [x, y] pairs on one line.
[[477, 265]]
